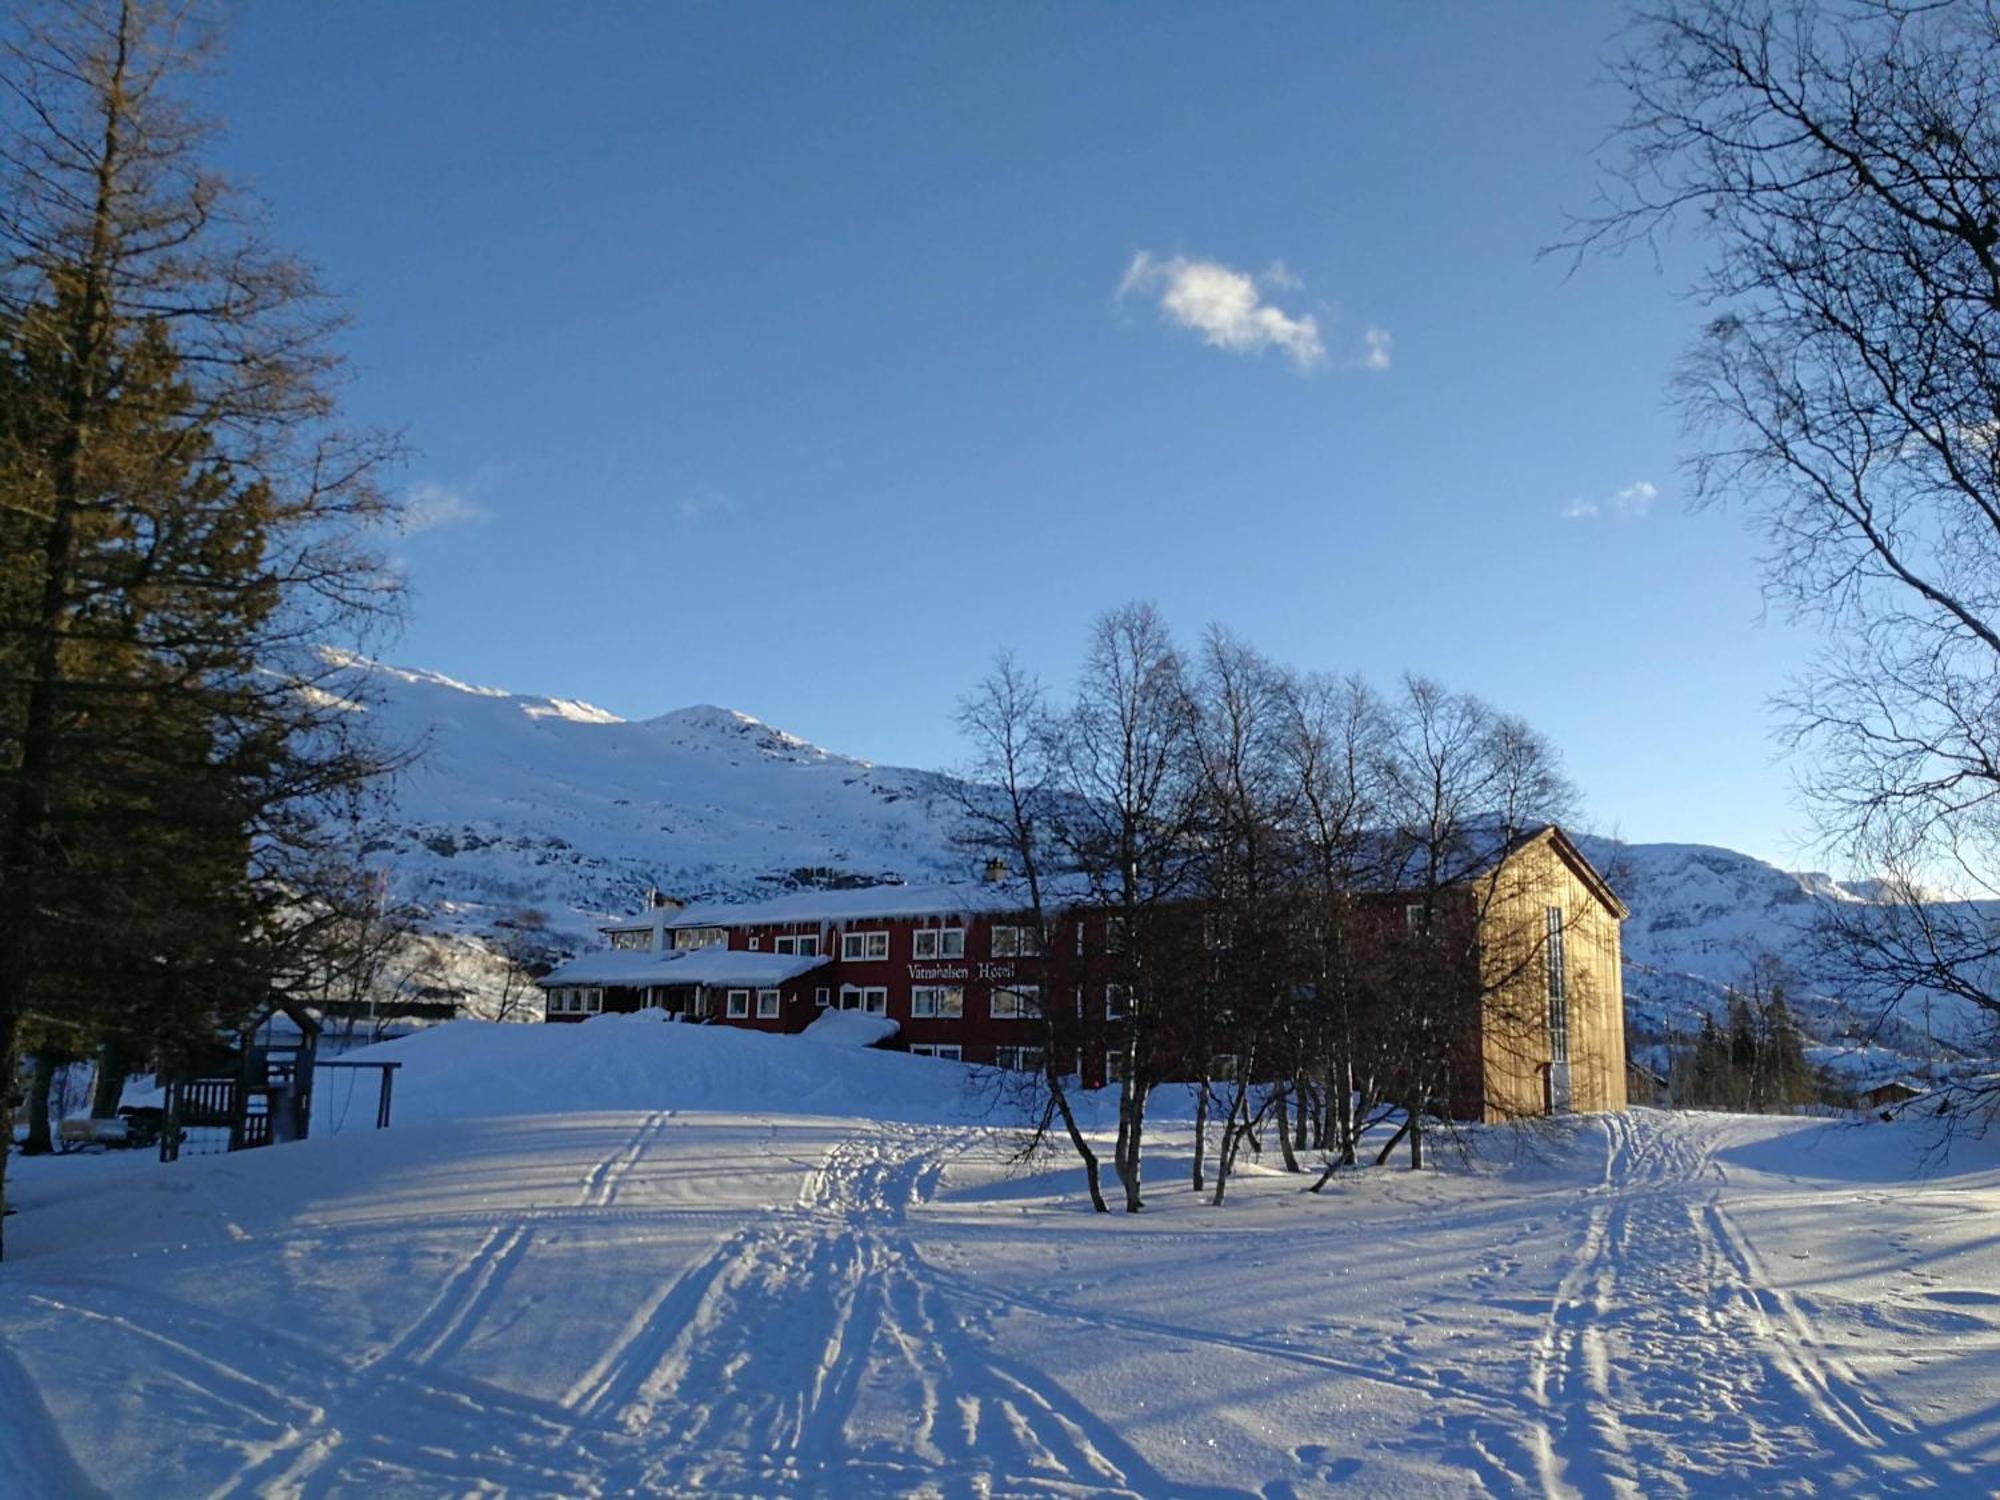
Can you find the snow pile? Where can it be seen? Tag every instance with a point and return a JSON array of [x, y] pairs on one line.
[[851, 1028], [467, 1069]]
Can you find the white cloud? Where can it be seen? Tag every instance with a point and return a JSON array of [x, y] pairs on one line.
[[429, 506], [1377, 345], [1224, 306], [1281, 276], [1634, 501], [691, 508]]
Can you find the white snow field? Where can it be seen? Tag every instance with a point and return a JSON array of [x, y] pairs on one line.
[[761, 1266]]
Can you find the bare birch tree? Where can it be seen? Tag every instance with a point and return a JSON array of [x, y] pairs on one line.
[[1126, 769], [1010, 809], [1838, 166]]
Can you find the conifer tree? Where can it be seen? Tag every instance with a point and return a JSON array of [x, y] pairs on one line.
[[187, 531]]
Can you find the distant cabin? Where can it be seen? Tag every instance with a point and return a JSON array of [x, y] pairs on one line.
[[960, 973], [1889, 1094]]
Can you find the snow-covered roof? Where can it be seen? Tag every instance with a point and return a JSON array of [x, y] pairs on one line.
[[715, 966], [943, 898]]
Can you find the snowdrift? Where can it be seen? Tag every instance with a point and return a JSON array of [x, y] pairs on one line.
[[851, 1028], [468, 1069]]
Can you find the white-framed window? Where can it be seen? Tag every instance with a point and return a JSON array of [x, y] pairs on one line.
[[821, 997], [1114, 1067], [937, 1001], [1017, 942], [1114, 1002], [626, 942], [1114, 934], [1015, 1002], [949, 1051], [870, 999], [739, 1005], [1413, 916], [806, 946], [755, 944], [700, 937], [938, 942], [576, 1002], [863, 947], [1222, 1065], [1018, 1059], [767, 1005]]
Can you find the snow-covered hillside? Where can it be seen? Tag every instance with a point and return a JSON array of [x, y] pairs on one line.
[[522, 803], [551, 807]]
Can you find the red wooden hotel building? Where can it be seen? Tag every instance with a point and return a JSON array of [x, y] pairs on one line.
[[943, 961]]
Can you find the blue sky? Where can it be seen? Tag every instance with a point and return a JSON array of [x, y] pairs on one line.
[[799, 357]]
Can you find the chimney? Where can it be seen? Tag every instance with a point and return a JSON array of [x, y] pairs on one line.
[[996, 871], [657, 899]]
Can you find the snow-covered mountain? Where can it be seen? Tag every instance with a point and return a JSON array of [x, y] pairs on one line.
[[547, 811], [525, 804]]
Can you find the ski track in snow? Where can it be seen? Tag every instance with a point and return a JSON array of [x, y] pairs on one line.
[[812, 1350], [1670, 1363]]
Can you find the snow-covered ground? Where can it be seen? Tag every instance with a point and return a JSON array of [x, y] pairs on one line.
[[768, 1267]]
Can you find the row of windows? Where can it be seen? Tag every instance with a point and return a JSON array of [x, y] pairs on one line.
[[930, 943], [1029, 1059], [1013, 1002], [737, 1005], [577, 1002]]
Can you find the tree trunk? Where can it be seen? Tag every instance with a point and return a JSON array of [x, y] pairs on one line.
[[109, 1087], [1235, 1126], [39, 1142], [1131, 1134], [1284, 1128], [1416, 1128], [9, 1101], [1200, 1131], [1393, 1142], [1093, 1175]]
